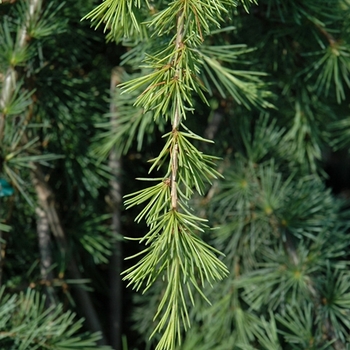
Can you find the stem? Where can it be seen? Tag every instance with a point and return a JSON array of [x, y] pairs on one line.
[[8, 86], [180, 25], [174, 168], [34, 7], [10, 78], [332, 41], [177, 114], [44, 241], [48, 203]]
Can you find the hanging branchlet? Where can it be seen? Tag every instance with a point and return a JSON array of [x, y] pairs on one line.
[[287, 228], [174, 250]]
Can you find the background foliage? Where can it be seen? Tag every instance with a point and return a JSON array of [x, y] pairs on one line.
[[267, 81]]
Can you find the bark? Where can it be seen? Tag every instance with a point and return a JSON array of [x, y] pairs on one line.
[[115, 201], [44, 242], [47, 203], [44, 239]]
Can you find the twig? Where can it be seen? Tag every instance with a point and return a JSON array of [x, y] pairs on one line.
[[332, 41], [177, 113], [8, 87], [10, 79]]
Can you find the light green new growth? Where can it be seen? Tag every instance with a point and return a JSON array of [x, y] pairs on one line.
[[173, 250]]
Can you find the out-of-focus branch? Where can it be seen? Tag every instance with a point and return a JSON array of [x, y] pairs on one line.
[[47, 202], [214, 124], [43, 230], [9, 81], [47, 212], [44, 241], [10, 78], [115, 200]]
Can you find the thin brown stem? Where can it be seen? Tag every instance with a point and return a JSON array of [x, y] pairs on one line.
[[332, 41], [177, 110], [174, 169]]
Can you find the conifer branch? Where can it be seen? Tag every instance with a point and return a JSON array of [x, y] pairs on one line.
[[10, 79], [47, 202], [8, 87], [45, 195], [174, 251]]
